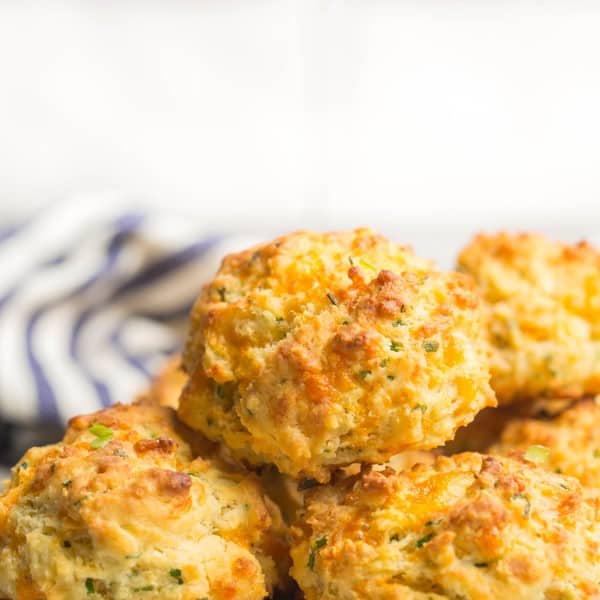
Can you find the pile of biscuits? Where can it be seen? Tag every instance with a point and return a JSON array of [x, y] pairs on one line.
[[346, 422]]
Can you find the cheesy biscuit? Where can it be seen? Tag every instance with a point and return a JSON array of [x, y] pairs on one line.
[[468, 527], [321, 350], [543, 309], [121, 509]]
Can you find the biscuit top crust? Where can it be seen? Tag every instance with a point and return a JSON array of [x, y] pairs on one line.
[[319, 350], [470, 526], [122, 506], [543, 309]]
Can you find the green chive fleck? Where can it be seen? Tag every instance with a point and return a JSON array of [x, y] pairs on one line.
[[433, 523], [89, 586], [367, 265], [222, 293], [398, 323], [537, 454], [103, 435], [332, 299], [176, 574], [320, 543], [395, 346], [364, 374], [430, 345], [426, 538]]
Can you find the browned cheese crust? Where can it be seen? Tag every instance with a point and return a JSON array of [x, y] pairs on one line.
[[543, 305], [320, 350], [120, 509], [470, 526]]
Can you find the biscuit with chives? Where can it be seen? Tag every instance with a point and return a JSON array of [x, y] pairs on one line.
[[543, 310], [320, 350], [470, 526], [121, 509]]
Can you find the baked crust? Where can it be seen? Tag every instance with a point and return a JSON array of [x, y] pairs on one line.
[[543, 309], [469, 526], [121, 509], [316, 351]]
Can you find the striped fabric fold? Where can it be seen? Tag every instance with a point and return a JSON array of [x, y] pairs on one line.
[[92, 299]]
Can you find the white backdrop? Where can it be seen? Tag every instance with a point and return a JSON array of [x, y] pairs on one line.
[[426, 118]]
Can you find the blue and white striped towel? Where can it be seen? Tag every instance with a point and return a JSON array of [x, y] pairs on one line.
[[91, 300]]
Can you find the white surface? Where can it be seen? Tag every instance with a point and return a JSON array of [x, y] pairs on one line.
[[421, 116]]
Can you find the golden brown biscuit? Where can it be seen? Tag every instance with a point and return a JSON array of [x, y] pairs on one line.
[[471, 526], [543, 300], [321, 350], [120, 510], [572, 440]]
